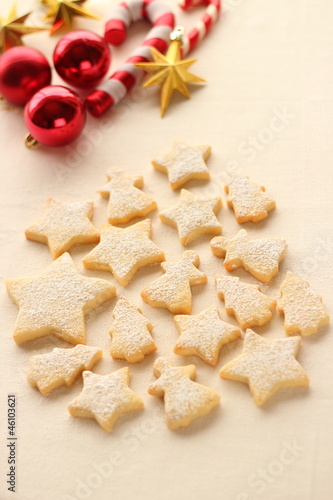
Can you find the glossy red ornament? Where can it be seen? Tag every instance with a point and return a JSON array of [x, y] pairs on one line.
[[55, 116], [82, 59], [23, 71]]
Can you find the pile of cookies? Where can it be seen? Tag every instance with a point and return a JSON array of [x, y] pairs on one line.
[[57, 301]]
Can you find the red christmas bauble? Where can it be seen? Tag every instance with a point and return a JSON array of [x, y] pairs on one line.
[[82, 59], [23, 71], [55, 116]]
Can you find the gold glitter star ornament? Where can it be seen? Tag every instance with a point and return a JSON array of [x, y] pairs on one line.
[[61, 13], [12, 28]]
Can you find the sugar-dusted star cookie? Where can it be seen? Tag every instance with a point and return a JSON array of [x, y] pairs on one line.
[[259, 257], [60, 366], [184, 163], [249, 201], [266, 366], [193, 216], [303, 309], [245, 302], [130, 332], [126, 200], [184, 400], [124, 251], [204, 334], [105, 398], [64, 225], [173, 289], [56, 302]]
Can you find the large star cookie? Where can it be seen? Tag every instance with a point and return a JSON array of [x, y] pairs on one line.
[[105, 398], [63, 226], [193, 216], [56, 302], [266, 366], [204, 335], [124, 251], [184, 399], [126, 200], [259, 257], [184, 163], [303, 309]]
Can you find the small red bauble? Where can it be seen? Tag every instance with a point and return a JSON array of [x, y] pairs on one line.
[[55, 116], [82, 59], [23, 71]]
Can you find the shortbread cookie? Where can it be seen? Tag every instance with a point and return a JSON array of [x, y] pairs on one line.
[[303, 309], [61, 366], [184, 400], [204, 334], [184, 163], [249, 201], [266, 366], [126, 200], [259, 257], [173, 289], [105, 398], [130, 332], [124, 251], [56, 302], [63, 226], [245, 302], [193, 216]]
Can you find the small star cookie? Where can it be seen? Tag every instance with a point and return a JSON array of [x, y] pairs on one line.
[[249, 201], [126, 200], [130, 332], [56, 302], [63, 226], [184, 399], [303, 309], [124, 251], [105, 398], [259, 257], [60, 367], [173, 289], [266, 366], [204, 335], [193, 216], [245, 302], [184, 163]]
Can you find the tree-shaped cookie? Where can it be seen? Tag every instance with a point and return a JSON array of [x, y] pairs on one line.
[[130, 332], [126, 200], [173, 289], [61, 366], [249, 201], [184, 400], [259, 257], [245, 302], [303, 309]]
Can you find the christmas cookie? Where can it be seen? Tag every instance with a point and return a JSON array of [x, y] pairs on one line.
[[266, 366], [184, 399], [303, 310], [173, 289], [56, 302], [193, 216], [63, 226]]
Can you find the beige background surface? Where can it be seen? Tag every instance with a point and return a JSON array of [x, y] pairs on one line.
[[267, 111]]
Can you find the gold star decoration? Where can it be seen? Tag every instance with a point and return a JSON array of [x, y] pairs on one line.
[[12, 28], [170, 71], [61, 13]]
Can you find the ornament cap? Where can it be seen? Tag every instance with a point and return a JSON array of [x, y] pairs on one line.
[[30, 142], [177, 34]]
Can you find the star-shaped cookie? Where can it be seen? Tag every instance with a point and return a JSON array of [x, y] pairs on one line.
[[193, 216], [56, 302], [124, 251], [266, 366], [184, 163], [105, 398], [203, 335], [63, 226]]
